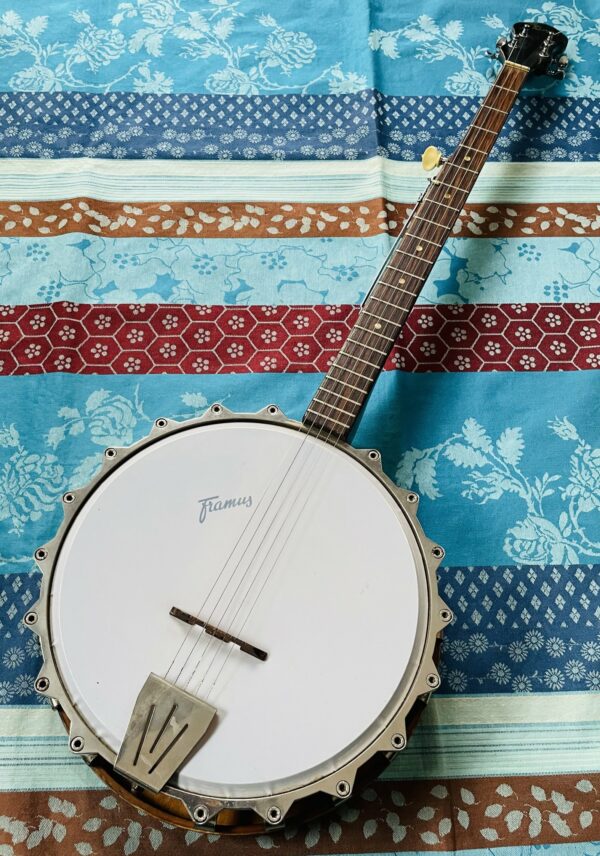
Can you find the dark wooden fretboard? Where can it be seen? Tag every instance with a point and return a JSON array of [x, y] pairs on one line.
[[343, 391]]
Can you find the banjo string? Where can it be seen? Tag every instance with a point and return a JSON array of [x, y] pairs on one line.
[[263, 523], [317, 454], [336, 398], [222, 571]]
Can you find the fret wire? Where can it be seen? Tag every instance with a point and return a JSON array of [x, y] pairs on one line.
[[395, 287], [342, 369], [387, 302], [337, 395], [433, 222], [333, 407], [497, 86], [487, 107], [344, 383], [364, 345], [451, 207], [479, 128], [466, 168], [453, 186], [357, 326], [328, 418], [472, 148], [391, 267], [342, 353], [427, 241], [412, 255], [379, 317]]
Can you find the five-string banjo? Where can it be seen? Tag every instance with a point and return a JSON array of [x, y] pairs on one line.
[[230, 670]]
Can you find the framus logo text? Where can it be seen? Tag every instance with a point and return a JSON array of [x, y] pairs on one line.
[[215, 503]]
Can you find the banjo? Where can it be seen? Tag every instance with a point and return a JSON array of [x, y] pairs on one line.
[[239, 615]]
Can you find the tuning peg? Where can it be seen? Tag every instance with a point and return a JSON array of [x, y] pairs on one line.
[[501, 41], [558, 69], [431, 158]]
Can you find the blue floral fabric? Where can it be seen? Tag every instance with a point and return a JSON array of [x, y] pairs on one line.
[[227, 47]]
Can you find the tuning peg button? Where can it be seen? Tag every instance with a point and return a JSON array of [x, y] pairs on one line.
[[558, 68], [431, 158]]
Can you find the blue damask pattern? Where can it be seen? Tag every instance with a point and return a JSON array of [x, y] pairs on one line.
[[278, 127], [516, 630], [235, 47], [525, 493]]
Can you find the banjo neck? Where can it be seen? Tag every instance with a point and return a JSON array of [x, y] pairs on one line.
[[343, 392]]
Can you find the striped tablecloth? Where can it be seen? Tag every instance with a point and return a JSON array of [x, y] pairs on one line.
[[194, 196]]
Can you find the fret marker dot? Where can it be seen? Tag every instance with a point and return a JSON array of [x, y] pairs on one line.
[[402, 281], [468, 158], [419, 248], [377, 326], [447, 195]]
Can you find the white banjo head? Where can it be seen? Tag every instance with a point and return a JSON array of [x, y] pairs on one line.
[[298, 549]]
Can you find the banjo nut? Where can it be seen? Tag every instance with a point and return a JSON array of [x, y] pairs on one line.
[[200, 814], [343, 788], [110, 453], [398, 741], [446, 615], [274, 814], [438, 552], [412, 497], [69, 497], [433, 681], [30, 618], [374, 455], [161, 423], [76, 744], [216, 408], [42, 684], [272, 409], [41, 553]]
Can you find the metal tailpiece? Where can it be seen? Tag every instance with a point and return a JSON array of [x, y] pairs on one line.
[[166, 726]]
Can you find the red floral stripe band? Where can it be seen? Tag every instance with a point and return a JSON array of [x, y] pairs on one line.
[[428, 816], [145, 338]]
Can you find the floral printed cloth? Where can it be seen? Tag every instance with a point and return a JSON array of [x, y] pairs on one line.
[[156, 255]]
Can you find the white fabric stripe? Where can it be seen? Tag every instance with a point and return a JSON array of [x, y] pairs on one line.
[[458, 736], [303, 181], [512, 709], [498, 750]]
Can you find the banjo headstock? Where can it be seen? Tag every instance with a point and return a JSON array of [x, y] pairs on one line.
[[539, 47]]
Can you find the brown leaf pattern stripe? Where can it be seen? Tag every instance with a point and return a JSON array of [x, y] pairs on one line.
[[277, 219], [390, 816]]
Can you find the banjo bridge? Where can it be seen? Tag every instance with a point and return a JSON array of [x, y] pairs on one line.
[[246, 647], [166, 726]]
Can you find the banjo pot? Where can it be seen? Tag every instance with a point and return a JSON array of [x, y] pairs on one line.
[[239, 615], [328, 576]]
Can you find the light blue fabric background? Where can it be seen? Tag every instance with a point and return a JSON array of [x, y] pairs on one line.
[[274, 271], [482, 508], [223, 46]]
